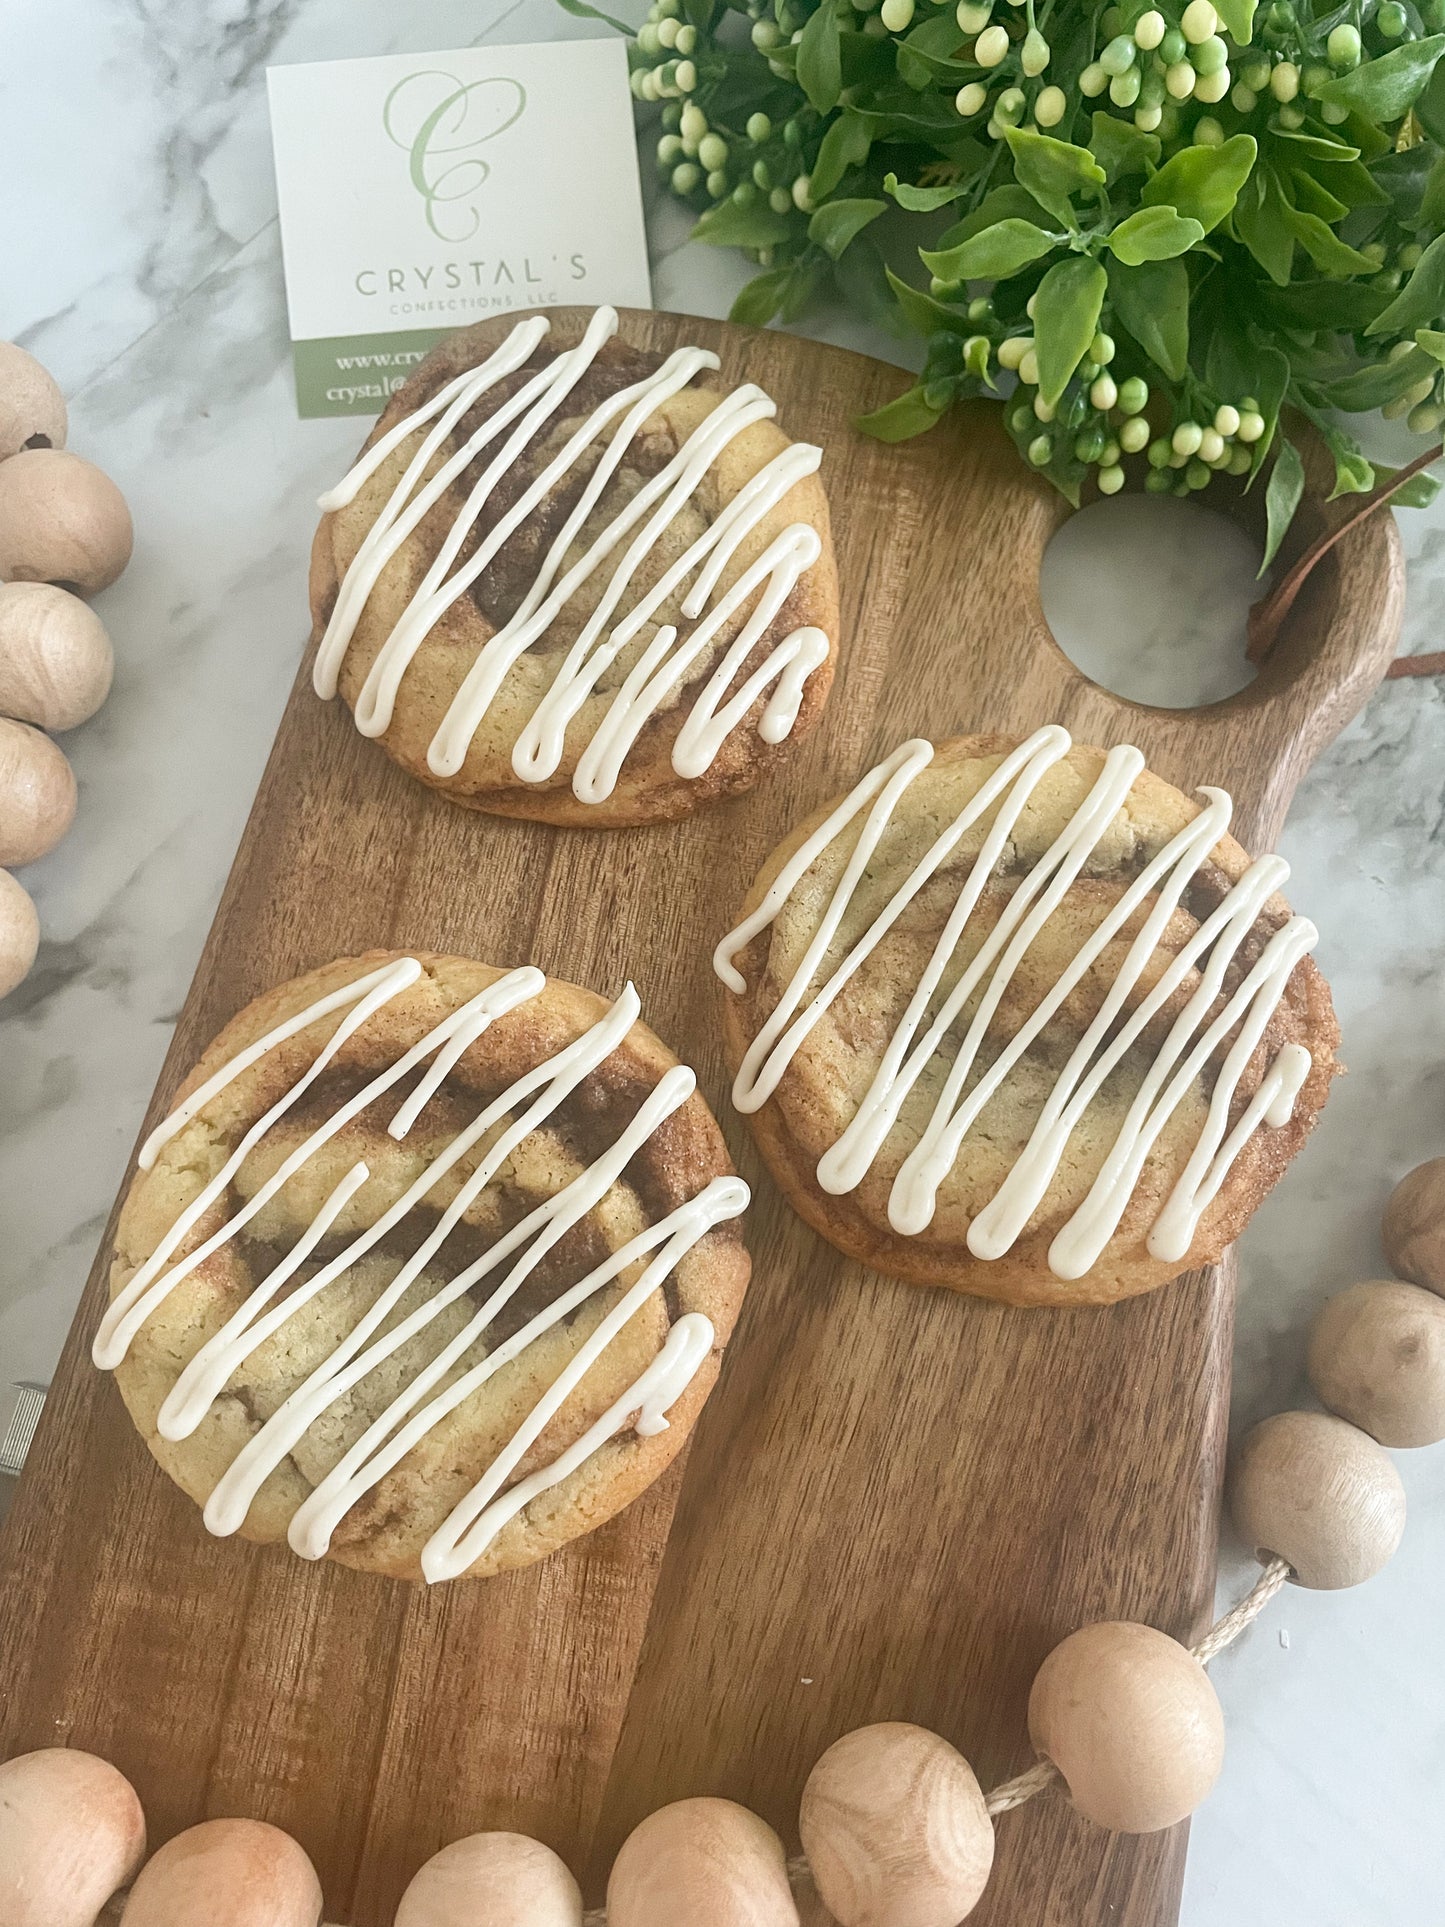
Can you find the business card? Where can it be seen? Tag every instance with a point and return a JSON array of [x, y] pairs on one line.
[[422, 192]]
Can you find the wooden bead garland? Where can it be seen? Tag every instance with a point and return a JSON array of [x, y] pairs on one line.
[[240, 1871], [1377, 1358], [32, 408], [502, 1879], [37, 793], [1413, 1232], [895, 1828], [63, 525], [1131, 1720], [19, 933], [701, 1863], [62, 520], [1319, 1493], [71, 1833], [56, 661]]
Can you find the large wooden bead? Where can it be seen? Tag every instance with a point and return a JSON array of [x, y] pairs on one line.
[[492, 1880], [1317, 1492], [1132, 1721], [701, 1863], [1377, 1358], [32, 408], [71, 1833], [62, 520], [37, 793], [1413, 1231], [895, 1829], [56, 660], [19, 933], [233, 1873]]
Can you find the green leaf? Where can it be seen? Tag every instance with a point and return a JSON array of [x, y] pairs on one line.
[[1348, 305], [1203, 183], [1421, 300], [837, 224], [1432, 198], [1153, 234], [1323, 246], [845, 145], [993, 255], [1151, 302], [1271, 383], [922, 200], [820, 60], [760, 300], [1350, 182], [1433, 342], [580, 10], [1418, 493], [1315, 198], [1354, 475], [729, 226], [861, 278], [898, 420], [1054, 171], [1282, 498], [924, 314], [1259, 221], [809, 271], [1401, 178], [1386, 88], [1321, 146], [975, 359], [1373, 386], [1066, 317], [1238, 18], [1430, 107], [1006, 203], [1120, 148], [929, 52]]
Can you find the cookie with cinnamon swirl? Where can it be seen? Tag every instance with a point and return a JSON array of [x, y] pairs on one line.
[[1022, 1019], [429, 1269], [574, 580]]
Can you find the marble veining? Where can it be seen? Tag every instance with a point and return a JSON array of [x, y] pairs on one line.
[[140, 210]]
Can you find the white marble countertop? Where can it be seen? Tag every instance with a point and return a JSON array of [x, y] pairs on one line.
[[142, 266]]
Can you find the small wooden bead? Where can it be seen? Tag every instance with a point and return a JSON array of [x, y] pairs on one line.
[[19, 933], [61, 520], [1413, 1231], [501, 1879], [32, 408], [71, 1833], [1377, 1358], [37, 793], [701, 1863], [56, 660], [1132, 1721], [1319, 1493], [242, 1872], [896, 1830]]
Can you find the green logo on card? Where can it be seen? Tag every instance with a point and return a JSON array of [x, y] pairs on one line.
[[433, 116]]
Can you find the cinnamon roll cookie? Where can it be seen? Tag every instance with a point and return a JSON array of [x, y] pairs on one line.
[[573, 580], [1021, 1019], [430, 1268]]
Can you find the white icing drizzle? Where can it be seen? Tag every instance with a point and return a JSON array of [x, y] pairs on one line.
[[1192, 1040], [665, 664], [476, 1520]]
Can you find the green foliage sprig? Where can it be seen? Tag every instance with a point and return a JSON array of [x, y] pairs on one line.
[[1168, 222]]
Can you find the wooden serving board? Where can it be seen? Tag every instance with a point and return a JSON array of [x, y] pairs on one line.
[[896, 1501]]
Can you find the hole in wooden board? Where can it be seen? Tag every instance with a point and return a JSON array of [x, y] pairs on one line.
[[1148, 596]]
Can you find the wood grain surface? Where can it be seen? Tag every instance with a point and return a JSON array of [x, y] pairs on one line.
[[896, 1501]]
